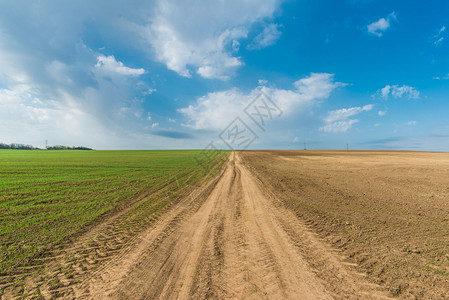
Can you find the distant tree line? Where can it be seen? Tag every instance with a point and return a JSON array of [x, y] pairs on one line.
[[16, 146], [59, 147], [30, 147]]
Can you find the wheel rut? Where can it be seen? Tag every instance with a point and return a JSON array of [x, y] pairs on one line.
[[232, 239]]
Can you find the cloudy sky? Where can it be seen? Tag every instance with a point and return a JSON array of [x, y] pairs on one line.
[[177, 73]]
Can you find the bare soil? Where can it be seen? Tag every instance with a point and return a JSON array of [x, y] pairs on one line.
[[232, 238], [387, 211]]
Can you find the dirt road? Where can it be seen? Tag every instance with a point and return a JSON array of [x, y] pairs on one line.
[[230, 239]]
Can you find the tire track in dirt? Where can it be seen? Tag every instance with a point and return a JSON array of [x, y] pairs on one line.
[[151, 240], [230, 240]]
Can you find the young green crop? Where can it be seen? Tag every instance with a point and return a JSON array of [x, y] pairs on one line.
[[48, 197]]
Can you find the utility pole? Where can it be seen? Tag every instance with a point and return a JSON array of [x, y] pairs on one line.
[[46, 144], [347, 147], [305, 148]]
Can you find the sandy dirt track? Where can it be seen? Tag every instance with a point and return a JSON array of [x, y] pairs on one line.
[[230, 239]]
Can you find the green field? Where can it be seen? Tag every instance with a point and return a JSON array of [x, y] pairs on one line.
[[48, 198]]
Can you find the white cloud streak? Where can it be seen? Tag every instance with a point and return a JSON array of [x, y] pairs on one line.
[[438, 38], [438, 41], [108, 64], [267, 37]]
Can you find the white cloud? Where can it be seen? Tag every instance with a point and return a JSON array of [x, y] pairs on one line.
[[446, 77], [109, 65], [344, 113], [215, 110], [385, 91], [382, 113], [338, 120], [317, 85], [339, 126], [267, 37], [438, 37], [26, 118], [410, 123], [75, 95], [149, 92], [187, 35], [54, 90], [296, 139], [66, 104], [154, 125], [262, 82], [381, 25], [399, 91], [438, 41]]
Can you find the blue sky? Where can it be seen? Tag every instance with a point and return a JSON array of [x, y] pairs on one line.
[[175, 74]]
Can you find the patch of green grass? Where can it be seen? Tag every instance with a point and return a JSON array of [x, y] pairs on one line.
[[437, 271], [48, 197]]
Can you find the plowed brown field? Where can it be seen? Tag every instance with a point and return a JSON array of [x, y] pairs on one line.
[[387, 211]]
